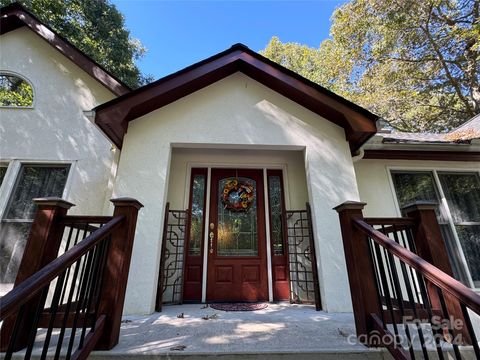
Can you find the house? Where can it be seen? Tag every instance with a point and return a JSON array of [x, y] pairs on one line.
[[238, 140]]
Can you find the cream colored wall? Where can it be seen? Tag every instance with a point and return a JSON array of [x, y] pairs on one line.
[[56, 128], [292, 161], [374, 183], [235, 113]]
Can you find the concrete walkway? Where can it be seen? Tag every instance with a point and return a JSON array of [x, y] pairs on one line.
[[281, 330]]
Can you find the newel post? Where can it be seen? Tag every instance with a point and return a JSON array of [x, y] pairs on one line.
[[361, 275], [116, 271], [41, 248], [430, 245]]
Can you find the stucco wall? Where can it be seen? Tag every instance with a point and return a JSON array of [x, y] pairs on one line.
[[56, 128], [291, 161], [375, 187], [235, 113]]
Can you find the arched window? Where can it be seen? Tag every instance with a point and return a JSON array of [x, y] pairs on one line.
[[15, 91]]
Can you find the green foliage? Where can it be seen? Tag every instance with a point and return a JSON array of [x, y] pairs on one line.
[[15, 91], [97, 28], [415, 63]]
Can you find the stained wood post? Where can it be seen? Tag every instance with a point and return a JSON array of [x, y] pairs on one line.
[[430, 245], [41, 248], [360, 268], [116, 271]]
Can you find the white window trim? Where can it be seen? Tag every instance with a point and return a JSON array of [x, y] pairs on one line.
[[24, 78], [445, 208], [13, 171]]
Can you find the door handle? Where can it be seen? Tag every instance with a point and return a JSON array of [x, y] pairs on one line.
[[211, 242]]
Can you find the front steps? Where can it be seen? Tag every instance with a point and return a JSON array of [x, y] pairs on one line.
[[280, 332]]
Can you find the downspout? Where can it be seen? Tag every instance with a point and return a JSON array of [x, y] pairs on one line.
[[359, 155]]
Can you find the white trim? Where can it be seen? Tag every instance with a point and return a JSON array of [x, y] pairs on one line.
[[8, 185], [24, 78], [443, 202], [205, 236], [267, 235]]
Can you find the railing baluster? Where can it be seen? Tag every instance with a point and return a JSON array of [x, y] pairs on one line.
[[53, 312], [446, 317], [471, 331], [33, 330]]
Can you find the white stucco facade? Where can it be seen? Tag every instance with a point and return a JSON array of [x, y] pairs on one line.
[[55, 129], [236, 113], [374, 178]]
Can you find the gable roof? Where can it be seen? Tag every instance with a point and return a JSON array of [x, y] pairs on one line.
[[113, 116], [15, 16]]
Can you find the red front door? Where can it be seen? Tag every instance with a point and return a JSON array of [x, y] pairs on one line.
[[237, 264]]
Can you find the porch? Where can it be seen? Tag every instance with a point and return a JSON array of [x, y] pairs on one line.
[[279, 331]]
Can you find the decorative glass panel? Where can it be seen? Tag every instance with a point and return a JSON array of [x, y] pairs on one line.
[[237, 217], [276, 223], [14, 91], [3, 171], [34, 181], [197, 209]]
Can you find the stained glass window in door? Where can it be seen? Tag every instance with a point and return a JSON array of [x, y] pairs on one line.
[[237, 233], [276, 223], [197, 209]]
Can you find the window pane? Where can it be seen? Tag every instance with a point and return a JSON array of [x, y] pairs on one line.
[[35, 181], [15, 91], [462, 192], [197, 209], [416, 186], [469, 237], [237, 217], [3, 171], [275, 202]]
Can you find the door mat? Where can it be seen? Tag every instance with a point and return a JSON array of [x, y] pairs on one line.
[[239, 306]]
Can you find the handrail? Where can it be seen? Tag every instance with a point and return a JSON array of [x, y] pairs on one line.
[[75, 219], [432, 273], [26, 290]]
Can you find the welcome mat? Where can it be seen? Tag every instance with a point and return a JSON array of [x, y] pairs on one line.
[[239, 306]]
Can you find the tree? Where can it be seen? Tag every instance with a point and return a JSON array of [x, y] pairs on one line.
[[97, 28], [415, 63]]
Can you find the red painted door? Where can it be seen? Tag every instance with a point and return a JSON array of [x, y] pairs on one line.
[[237, 264]]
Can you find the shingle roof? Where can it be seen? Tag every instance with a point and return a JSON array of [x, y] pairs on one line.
[[463, 134]]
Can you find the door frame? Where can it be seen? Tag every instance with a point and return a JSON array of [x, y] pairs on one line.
[[238, 262], [264, 168]]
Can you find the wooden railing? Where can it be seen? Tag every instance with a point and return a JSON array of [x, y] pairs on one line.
[[71, 282], [403, 293]]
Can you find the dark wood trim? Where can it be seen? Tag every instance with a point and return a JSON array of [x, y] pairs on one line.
[[91, 340], [423, 155], [113, 117], [15, 16], [281, 288], [193, 292], [398, 352], [115, 276], [442, 280]]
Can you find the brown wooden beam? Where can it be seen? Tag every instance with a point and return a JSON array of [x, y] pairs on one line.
[[423, 155]]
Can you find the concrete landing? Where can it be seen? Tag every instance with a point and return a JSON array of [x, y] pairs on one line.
[[281, 331]]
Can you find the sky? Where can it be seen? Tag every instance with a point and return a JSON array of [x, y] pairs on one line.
[[179, 33]]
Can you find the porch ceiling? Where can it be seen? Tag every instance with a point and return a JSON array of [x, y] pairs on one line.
[[113, 117]]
